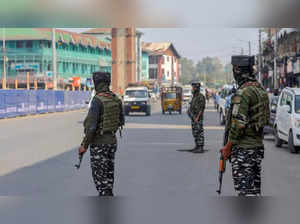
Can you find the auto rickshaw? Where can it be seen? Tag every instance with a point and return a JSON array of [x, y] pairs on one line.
[[171, 99]]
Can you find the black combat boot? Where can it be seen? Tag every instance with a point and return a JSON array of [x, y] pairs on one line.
[[106, 193], [198, 149]]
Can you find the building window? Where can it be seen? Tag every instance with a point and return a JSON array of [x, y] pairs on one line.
[[168, 73], [163, 71], [168, 59], [29, 44], [153, 60], [49, 44], [20, 44], [153, 73]]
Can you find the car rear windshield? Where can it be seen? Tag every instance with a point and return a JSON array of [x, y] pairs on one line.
[[297, 104], [170, 95], [136, 93]]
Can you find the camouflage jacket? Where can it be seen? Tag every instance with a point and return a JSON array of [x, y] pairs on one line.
[[197, 105], [250, 113], [91, 123]]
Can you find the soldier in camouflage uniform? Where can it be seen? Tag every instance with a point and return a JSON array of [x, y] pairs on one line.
[[247, 116], [104, 118], [195, 112]]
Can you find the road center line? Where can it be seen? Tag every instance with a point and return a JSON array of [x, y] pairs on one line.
[[165, 126]]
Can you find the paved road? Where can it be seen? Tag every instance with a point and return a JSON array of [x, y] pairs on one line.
[[38, 154], [162, 184]]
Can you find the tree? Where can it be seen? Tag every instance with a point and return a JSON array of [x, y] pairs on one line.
[[188, 71], [209, 70]]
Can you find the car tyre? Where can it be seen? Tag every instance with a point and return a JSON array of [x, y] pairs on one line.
[[292, 147], [278, 141]]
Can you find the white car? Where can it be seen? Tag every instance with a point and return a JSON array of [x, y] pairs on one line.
[[287, 121], [137, 99], [187, 94]]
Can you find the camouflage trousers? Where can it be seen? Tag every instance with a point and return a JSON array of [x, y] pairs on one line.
[[246, 170], [102, 164], [198, 132]]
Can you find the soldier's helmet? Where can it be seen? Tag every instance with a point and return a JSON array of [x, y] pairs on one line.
[[196, 84], [99, 77], [242, 64]]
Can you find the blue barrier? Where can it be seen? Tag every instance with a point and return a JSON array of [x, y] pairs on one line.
[[2, 104], [22, 102], [59, 101], [67, 101], [50, 101], [32, 101], [10, 97], [15, 103], [42, 101]]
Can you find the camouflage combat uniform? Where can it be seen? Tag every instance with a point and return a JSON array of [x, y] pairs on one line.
[[249, 113], [106, 112], [197, 105]]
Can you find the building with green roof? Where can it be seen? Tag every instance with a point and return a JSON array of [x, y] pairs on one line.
[[30, 50]]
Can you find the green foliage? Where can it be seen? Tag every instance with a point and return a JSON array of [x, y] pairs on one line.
[[209, 70]]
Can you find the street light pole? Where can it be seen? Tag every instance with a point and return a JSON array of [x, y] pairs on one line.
[[259, 57], [249, 48], [275, 62], [54, 58], [4, 60]]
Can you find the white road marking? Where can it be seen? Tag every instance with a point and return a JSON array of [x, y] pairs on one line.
[[165, 126]]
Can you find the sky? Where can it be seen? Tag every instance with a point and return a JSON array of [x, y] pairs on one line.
[[196, 43]]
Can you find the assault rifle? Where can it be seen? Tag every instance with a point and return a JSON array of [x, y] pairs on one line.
[[222, 161], [80, 160], [222, 168]]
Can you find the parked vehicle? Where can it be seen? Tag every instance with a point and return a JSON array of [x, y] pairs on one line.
[[225, 92], [269, 129], [287, 121], [171, 99], [187, 94], [137, 99]]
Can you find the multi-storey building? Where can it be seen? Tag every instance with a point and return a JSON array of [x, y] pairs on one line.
[[163, 62], [29, 50], [287, 58]]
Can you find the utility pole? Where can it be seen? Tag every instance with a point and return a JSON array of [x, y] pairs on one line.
[[259, 57], [54, 58], [249, 48], [4, 60], [275, 82]]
